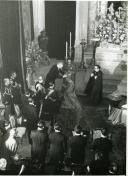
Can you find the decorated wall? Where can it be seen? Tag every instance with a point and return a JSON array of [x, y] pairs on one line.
[[111, 55], [27, 20]]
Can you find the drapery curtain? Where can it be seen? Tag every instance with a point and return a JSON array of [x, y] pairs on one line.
[[1, 70], [59, 22], [12, 39]]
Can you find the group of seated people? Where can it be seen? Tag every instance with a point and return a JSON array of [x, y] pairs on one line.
[[51, 151]]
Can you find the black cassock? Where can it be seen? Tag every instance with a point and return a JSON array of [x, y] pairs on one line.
[[94, 88], [53, 74]]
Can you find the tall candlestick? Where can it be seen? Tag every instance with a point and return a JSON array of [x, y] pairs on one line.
[[66, 49], [95, 29], [119, 12], [70, 40]]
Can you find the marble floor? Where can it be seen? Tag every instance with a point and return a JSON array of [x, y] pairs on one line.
[[92, 117]]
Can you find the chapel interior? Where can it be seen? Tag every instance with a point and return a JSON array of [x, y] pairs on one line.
[[35, 35]]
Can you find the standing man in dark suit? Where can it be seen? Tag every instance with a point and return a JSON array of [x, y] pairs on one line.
[[103, 144], [98, 166], [7, 99], [51, 104], [55, 72], [16, 88], [77, 144], [39, 95], [58, 144], [31, 117], [39, 143]]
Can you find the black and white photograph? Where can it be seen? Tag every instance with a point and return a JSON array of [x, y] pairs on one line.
[[63, 87]]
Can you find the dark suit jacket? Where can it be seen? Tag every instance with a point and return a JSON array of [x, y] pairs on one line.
[[77, 146], [52, 75], [99, 167], [103, 145], [30, 114], [57, 147], [39, 144]]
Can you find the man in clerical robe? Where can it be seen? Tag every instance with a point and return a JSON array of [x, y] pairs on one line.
[[94, 86], [55, 72]]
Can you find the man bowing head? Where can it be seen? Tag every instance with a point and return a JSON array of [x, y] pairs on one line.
[[55, 72]]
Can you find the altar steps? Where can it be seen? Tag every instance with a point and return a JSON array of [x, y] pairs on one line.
[[108, 88], [113, 64], [122, 87], [111, 85]]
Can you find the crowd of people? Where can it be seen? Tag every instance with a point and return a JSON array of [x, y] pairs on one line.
[[34, 115]]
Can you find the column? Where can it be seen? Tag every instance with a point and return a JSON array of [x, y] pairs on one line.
[[104, 7], [92, 20], [38, 16], [81, 27], [26, 19]]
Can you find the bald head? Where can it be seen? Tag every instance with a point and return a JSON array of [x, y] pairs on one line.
[[60, 65]]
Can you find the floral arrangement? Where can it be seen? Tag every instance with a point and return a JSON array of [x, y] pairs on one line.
[[3, 164], [111, 28], [32, 52]]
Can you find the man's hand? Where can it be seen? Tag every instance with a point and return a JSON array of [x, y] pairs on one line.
[[65, 76], [92, 74]]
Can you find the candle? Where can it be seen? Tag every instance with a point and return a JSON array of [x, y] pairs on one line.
[[95, 29], [70, 40], [119, 12], [98, 6], [80, 34], [66, 49]]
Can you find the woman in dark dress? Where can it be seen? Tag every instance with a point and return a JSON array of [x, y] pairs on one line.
[[94, 86], [70, 99]]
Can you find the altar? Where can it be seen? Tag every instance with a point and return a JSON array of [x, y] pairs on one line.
[[118, 116], [112, 61], [109, 58]]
